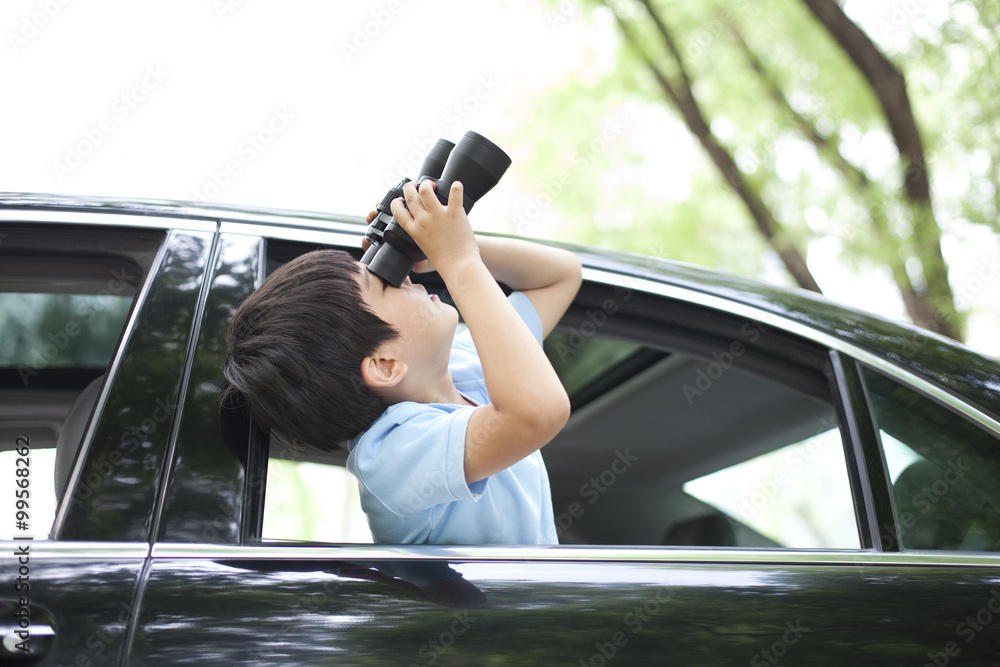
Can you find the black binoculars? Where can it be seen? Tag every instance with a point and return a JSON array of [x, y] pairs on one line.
[[475, 161]]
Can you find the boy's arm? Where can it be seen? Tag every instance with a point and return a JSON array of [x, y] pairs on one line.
[[549, 277], [528, 403]]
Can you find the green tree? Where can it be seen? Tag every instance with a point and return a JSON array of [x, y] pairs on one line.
[[801, 115]]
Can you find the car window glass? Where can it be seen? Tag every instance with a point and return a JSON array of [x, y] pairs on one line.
[[579, 362], [943, 469], [52, 344], [40, 330]]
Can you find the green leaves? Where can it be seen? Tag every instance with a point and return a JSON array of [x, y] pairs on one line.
[[803, 125]]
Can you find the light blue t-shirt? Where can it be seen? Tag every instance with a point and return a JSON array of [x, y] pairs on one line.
[[410, 467]]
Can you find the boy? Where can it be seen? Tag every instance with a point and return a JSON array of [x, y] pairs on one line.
[[444, 462]]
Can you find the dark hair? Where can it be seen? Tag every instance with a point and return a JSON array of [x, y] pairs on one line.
[[295, 351]]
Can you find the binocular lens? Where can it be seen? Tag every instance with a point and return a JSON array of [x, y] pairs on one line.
[[476, 161], [436, 159]]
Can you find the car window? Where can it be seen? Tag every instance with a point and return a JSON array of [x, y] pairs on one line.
[[67, 333], [943, 468], [798, 495], [690, 427], [748, 462], [61, 318], [41, 330], [311, 500]]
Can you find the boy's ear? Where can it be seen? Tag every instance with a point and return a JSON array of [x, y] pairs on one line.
[[382, 372]]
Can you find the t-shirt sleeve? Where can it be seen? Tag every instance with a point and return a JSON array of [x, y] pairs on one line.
[[413, 458], [524, 308], [522, 304]]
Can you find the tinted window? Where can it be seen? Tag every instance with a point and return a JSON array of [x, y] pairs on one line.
[[64, 301], [40, 330], [943, 468]]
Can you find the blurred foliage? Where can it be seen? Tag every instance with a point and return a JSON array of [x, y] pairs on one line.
[[651, 189], [60, 330]]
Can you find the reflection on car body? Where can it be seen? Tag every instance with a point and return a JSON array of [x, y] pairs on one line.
[[750, 474]]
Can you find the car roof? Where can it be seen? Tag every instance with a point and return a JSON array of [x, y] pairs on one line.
[[957, 369]]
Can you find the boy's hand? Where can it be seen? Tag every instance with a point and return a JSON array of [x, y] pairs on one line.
[[420, 267], [442, 232]]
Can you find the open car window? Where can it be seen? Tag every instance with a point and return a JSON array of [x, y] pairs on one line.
[[690, 427], [692, 451]]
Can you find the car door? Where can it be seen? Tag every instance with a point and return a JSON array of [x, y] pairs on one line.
[[98, 310], [664, 558]]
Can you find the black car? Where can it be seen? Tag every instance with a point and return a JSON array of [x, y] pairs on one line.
[[751, 475]]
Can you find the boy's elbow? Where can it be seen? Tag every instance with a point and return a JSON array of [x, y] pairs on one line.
[[572, 268], [550, 417]]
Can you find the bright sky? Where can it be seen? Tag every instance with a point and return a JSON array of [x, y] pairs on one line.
[[320, 106], [305, 104]]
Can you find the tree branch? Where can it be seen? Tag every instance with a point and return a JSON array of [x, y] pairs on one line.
[[889, 87], [916, 307], [681, 95]]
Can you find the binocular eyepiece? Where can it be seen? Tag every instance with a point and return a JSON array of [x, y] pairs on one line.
[[475, 161]]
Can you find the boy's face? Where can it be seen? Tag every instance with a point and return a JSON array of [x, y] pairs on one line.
[[425, 323]]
